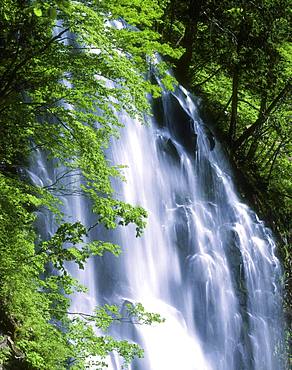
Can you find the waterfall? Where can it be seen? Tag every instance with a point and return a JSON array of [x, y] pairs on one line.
[[205, 262]]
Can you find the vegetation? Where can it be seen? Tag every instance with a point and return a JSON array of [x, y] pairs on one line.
[[56, 55], [238, 58], [61, 61]]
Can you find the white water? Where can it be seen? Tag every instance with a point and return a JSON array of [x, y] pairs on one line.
[[206, 263]]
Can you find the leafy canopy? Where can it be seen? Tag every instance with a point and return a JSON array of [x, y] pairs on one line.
[[65, 72]]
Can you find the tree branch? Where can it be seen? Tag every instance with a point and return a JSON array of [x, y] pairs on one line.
[[263, 117], [27, 59], [91, 316], [65, 174], [275, 155], [248, 103], [209, 77]]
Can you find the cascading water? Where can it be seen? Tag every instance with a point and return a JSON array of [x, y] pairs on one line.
[[206, 263]]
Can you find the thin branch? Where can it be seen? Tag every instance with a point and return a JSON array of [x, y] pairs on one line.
[[277, 151], [209, 77], [61, 122], [28, 58], [85, 315], [93, 226], [263, 117], [223, 109], [44, 104], [251, 105], [11, 64], [179, 40], [217, 23], [282, 194], [65, 174]]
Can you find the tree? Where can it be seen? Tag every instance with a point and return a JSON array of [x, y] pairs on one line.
[[239, 62], [56, 57]]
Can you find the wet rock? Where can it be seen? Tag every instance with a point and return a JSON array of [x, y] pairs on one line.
[[158, 112], [210, 137], [168, 147], [180, 124]]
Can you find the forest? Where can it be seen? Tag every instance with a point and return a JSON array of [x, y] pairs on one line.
[[56, 58]]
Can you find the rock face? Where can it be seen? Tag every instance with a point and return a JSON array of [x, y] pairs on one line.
[[179, 124]]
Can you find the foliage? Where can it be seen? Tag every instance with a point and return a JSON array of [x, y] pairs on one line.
[[249, 49], [61, 62], [239, 60]]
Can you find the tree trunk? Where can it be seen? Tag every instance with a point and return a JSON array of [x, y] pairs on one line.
[[234, 106], [262, 118], [183, 64], [274, 158], [258, 132]]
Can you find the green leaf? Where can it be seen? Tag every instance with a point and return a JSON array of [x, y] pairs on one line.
[[38, 12], [53, 13]]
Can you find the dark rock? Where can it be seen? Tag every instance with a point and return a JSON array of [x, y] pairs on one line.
[[168, 147], [180, 124]]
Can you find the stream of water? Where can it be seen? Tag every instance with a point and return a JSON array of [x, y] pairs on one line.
[[206, 263]]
